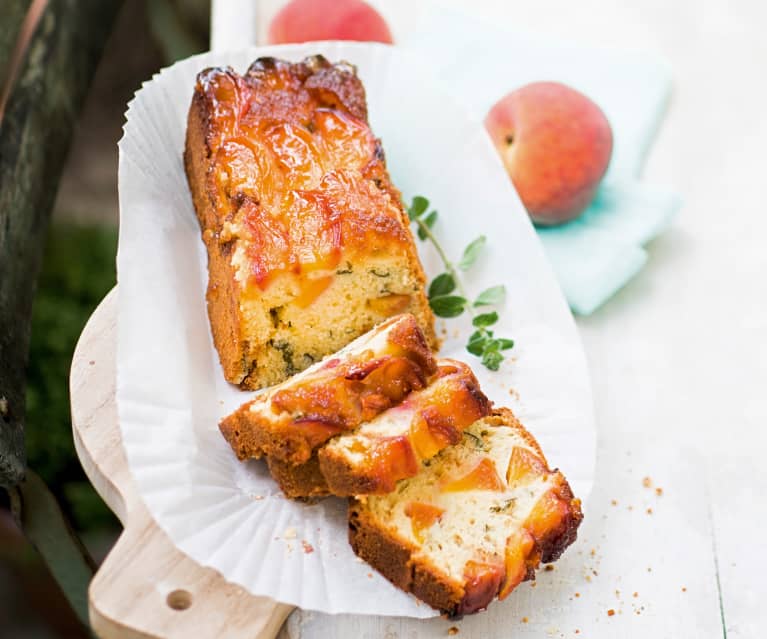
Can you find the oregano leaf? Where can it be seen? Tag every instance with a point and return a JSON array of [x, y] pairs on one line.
[[428, 222], [443, 284], [471, 253], [476, 343], [486, 319], [492, 295], [492, 360], [447, 305], [505, 343], [418, 207]]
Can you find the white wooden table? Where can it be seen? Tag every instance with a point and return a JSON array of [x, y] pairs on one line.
[[678, 358], [672, 545]]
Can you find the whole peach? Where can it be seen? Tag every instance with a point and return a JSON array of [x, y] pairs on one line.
[[555, 144], [308, 20]]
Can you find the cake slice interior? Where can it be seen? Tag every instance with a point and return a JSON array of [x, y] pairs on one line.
[[475, 522]]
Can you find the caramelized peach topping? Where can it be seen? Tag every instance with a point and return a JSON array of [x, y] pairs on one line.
[[519, 547], [483, 476], [297, 165], [422, 517], [483, 579], [524, 465]]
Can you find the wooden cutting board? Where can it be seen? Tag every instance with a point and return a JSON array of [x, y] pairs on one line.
[[146, 587]]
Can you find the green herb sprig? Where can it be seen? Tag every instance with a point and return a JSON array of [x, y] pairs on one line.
[[447, 295]]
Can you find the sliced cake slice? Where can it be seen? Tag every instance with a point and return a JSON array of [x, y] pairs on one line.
[[474, 523], [371, 374], [390, 447], [308, 243]]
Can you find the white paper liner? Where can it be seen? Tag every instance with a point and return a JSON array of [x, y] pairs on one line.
[[170, 389]]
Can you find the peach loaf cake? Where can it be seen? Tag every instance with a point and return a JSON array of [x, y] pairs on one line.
[[372, 458], [474, 523], [374, 372], [308, 243]]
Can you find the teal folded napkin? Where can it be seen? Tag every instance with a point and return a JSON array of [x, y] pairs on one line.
[[478, 62]]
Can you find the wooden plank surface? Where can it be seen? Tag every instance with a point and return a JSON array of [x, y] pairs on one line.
[[145, 587]]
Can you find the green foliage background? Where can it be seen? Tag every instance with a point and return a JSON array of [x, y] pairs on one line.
[[78, 270]]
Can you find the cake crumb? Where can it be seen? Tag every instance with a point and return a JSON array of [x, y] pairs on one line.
[[659, 491], [577, 594], [370, 575], [452, 630], [549, 567], [636, 594], [647, 482], [290, 533], [649, 511], [593, 552], [92, 362], [684, 589], [610, 612], [308, 548], [525, 620]]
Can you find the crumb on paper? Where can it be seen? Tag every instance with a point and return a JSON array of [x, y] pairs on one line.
[[532, 584], [684, 589], [647, 482], [649, 511], [549, 567], [577, 594], [256, 497], [659, 491], [577, 632], [631, 508], [370, 575], [610, 612], [593, 552], [92, 362], [308, 548], [359, 560], [636, 594], [614, 502], [290, 533], [452, 630], [649, 569], [525, 620]]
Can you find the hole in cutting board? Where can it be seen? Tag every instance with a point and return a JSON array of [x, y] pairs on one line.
[[179, 599]]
